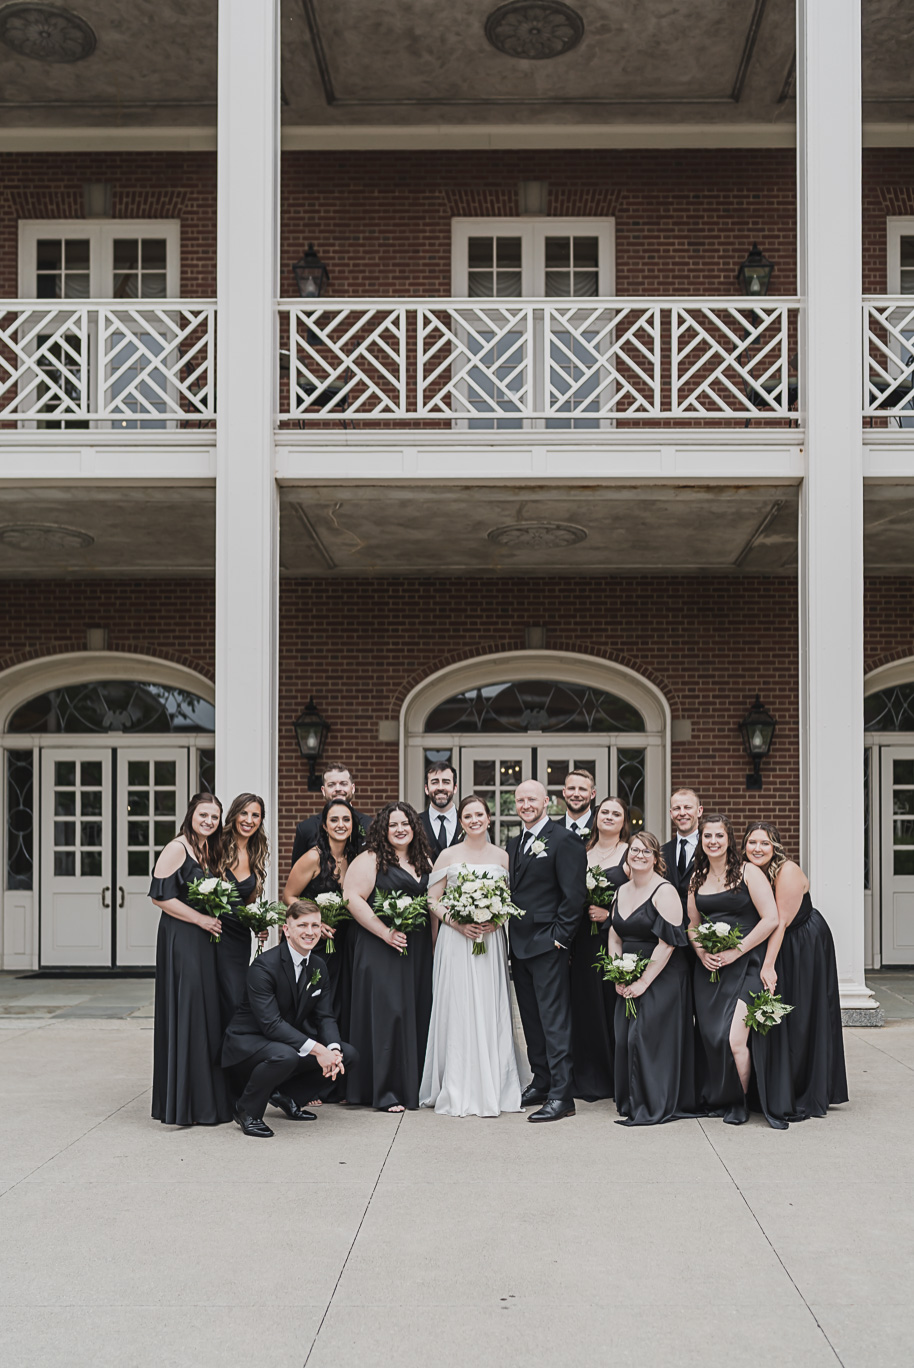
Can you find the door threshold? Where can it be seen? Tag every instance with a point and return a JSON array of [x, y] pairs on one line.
[[89, 974]]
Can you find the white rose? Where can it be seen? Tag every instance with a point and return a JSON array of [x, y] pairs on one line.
[[325, 899], [403, 904], [207, 885], [722, 928], [471, 886], [538, 847], [591, 881], [481, 914], [629, 961]]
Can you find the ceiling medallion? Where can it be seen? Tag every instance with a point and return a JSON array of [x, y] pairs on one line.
[[44, 537], [534, 31], [537, 536], [46, 33]]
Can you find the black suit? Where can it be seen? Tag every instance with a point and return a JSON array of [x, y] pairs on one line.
[[552, 890], [431, 829], [306, 834], [275, 1018], [669, 853]]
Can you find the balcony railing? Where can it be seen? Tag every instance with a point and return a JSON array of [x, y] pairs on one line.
[[888, 359], [107, 364], [502, 363]]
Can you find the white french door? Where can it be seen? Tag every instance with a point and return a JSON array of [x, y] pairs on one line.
[[555, 762], [494, 772], [151, 799], [897, 862]]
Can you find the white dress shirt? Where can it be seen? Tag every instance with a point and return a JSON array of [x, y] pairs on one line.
[[450, 818], [584, 822], [533, 831], [299, 963], [690, 843]]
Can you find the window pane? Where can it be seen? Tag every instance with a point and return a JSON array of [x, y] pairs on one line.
[[508, 284], [164, 832], [126, 254], [77, 254], [90, 803], [903, 802], [115, 705], [479, 252], [76, 285], [480, 284], [165, 772], [138, 772], [19, 819], [153, 254], [165, 802], [586, 252], [64, 773], [91, 833], [138, 833], [65, 833], [90, 773], [64, 803], [558, 251], [535, 705], [153, 285], [483, 774], [49, 255], [558, 284], [907, 250], [138, 863], [903, 771], [507, 252], [48, 287], [65, 863], [90, 864], [903, 862], [206, 771], [138, 802]]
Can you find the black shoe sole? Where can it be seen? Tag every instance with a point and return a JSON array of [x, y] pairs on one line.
[[254, 1135], [543, 1120]]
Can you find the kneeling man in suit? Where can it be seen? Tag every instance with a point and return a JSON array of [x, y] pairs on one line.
[[283, 1044]]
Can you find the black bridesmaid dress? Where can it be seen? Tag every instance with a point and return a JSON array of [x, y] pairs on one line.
[[808, 979], [655, 1050], [188, 1085], [233, 953], [391, 1008], [339, 964], [720, 1091], [593, 1006]]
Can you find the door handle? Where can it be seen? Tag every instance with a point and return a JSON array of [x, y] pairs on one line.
[[120, 896], [105, 891]]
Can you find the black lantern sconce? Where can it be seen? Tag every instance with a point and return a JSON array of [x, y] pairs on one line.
[[754, 274], [311, 275], [311, 732], [757, 731]]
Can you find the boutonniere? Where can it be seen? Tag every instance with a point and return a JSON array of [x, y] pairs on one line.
[[315, 979], [583, 832], [362, 832], [538, 847]]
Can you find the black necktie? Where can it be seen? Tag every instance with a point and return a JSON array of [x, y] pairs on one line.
[[527, 843], [681, 862], [442, 833], [575, 828]]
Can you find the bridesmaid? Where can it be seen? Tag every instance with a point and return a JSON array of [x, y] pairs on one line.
[[188, 1086], [724, 889], [322, 870], [800, 960], [655, 1050], [593, 1000], [243, 858], [391, 992]]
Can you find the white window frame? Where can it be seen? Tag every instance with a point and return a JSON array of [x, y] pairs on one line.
[[101, 234]]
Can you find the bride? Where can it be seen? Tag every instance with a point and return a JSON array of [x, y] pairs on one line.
[[470, 1063]]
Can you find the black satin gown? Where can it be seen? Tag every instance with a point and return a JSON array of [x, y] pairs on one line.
[[720, 1090], [391, 1008], [339, 964], [808, 979], [655, 1050], [188, 1085], [233, 953], [593, 1006]]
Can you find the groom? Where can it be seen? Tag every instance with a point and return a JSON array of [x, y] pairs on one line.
[[548, 867]]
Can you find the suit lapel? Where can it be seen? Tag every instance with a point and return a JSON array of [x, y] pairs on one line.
[[288, 968]]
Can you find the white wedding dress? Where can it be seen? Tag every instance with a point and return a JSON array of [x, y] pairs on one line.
[[471, 1063]]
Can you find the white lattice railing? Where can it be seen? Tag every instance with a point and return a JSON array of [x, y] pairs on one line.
[[888, 357], [504, 361], [136, 365]]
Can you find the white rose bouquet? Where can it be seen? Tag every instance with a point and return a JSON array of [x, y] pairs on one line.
[[401, 911], [479, 898], [602, 892], [716, 936], [215, 897], [622, 969], [260, 915], [765, 1010], [334, 909]]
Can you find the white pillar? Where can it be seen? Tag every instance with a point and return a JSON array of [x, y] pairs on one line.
[[831, 533], [246, 500]]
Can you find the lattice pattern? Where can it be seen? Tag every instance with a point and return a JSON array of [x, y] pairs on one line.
[[474, 360], [348, 359], [731, 359], [603, 360], [888, 357]]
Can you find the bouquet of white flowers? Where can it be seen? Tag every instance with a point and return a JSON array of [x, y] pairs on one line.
[[214, 897], [622, 969], [260, 915], [716, 936], [334, 909], [400, 910], [479, 898], [602, 892], [765, 1010]]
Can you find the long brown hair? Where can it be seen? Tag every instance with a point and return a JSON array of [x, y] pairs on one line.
[[650, 841], [734, 871], [625, 835], [258, 845], [779, 855], [212, 844], [418, 852]]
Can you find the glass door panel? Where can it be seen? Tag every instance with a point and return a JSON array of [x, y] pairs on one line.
[[152, 799], [76, 864], [554, 763], [897, 855], [494, 773]]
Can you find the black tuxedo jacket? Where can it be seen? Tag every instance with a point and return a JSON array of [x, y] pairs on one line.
[[432, 833], [551, 888], [668, 852], [306, 834], [274, 1007]]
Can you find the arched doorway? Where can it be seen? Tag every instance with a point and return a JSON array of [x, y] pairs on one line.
[[535, 714], [100, 753], [889, 831]]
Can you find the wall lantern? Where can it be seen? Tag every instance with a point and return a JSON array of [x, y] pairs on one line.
[[311, 731], [757, 731], [754, 275], [311, 275]]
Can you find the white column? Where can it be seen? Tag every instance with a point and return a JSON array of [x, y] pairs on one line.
[[831, 531], [246, 500]]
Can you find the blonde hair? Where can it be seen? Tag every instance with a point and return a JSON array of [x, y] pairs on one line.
[[779, 856]]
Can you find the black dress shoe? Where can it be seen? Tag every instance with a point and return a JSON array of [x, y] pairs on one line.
[[291, 1108], [252, 1125], [532, 1097], [737, 1116], [552, 1110]]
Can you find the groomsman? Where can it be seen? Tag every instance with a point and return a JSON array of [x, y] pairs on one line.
[[283, 1044], [679, 853], [579, 793], [336, 783], [440, 817]]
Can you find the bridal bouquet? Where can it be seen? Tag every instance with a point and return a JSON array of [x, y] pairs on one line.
[[765, 1010], [622, 969], [214, 897], [334, 909], [716, 936], [401, 911], [479, 898], [602, 892], [260, 915]]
